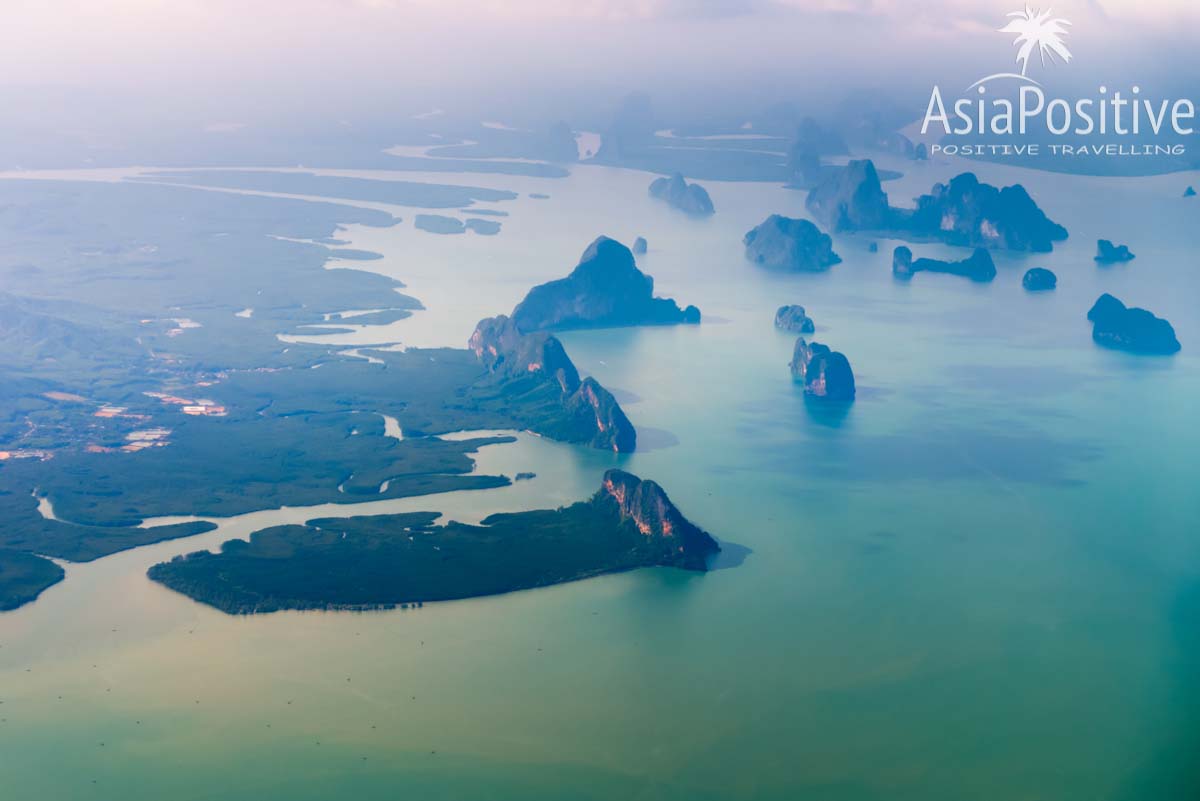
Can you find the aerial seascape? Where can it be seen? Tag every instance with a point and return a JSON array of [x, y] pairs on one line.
[[660, 454]]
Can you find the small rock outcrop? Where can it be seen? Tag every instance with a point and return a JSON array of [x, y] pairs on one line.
[[639, 246], [606, 289], [791, 245], [1039, 279], [584, 410], [1108, 253], [978, 266], [689, 198], [793, 319], [851, 199], [1115, 325], [823, 372], [646, 505]]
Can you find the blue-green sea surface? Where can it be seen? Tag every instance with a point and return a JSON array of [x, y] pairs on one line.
[[982, 581]]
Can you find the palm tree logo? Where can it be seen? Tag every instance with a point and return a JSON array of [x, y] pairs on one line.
[[1038, 30], [1035, 30]]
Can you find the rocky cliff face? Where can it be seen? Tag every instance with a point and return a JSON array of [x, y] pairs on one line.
[[1115, 325], [689, 198], [971, 213], [605, 289], [783, 243], [823, 372], [574, 410], [978, 266], [851, 199], [647, 506], [503, 349], [592, 407]]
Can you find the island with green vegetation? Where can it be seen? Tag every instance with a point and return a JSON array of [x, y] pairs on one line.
[[23, 576], [605, 289], [403, 559], [533, 379], [144, 375]]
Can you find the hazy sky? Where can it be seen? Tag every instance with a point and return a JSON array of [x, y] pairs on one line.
[[151, 40], [236, 57]]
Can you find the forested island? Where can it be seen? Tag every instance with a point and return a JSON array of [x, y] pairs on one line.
[[159, 386], [605, 289], [387, 560], [23, 576]]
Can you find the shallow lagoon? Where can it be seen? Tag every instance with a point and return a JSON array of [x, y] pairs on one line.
[[981, 582]]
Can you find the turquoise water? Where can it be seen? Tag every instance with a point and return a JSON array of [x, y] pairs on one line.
[[982, 582]]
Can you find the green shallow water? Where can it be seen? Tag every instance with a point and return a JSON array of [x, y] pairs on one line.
[[982, 582]]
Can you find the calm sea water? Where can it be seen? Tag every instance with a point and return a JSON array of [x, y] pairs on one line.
[[983, 581]]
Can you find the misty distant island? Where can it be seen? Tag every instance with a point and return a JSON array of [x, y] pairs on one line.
[[384, 561], [441, 224], [964, 212], [691, 199]]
